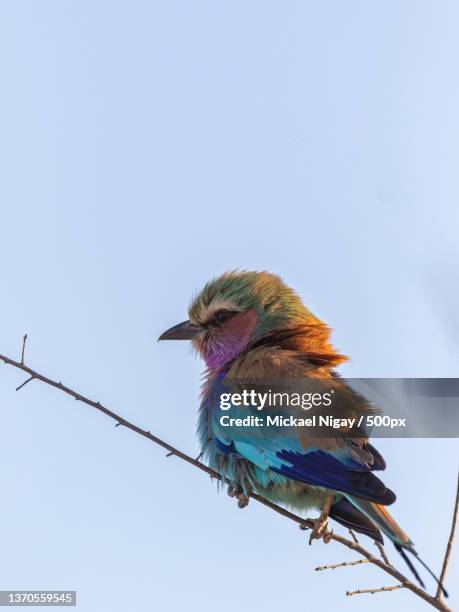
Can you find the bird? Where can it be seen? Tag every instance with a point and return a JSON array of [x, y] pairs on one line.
[[249, 325]]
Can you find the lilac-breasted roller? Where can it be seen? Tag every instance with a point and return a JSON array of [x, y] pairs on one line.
[[251, 326]]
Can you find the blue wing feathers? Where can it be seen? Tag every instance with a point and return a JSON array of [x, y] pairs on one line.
[[322, 469]]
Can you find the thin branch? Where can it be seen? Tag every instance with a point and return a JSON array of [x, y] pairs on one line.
[[353, 536], [24, 340], [303, 523], [25, 382], [382, 552], [449, 546], [321, 568], [380, 590]]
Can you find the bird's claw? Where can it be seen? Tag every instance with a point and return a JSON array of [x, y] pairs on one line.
[[242, 499], [327, 536], [319, 531]]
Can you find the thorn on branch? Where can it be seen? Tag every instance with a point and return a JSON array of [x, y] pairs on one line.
[[24, 340], [371, 591], [345, 564], [24, 383], [169, 454]]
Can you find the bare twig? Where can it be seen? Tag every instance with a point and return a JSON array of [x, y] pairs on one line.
[[449, 545], [25, 382], [354, 537], [321, 568], [382, 552], [24, 340], [380, 590], [302, 522]]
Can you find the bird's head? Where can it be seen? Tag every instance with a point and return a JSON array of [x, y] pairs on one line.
[[238, 309]]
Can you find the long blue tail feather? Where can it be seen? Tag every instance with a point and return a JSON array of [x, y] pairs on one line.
[[402, 549]]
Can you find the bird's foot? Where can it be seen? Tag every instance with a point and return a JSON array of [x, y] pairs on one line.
[[327, 536], [242, 499], [320, 531]]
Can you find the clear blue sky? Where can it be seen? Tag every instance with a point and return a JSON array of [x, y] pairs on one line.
[[147, 146]]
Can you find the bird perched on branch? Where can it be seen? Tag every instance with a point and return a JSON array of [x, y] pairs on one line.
[[251, 326]]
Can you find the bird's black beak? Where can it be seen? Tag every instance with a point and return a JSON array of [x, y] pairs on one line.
[[182, 331]]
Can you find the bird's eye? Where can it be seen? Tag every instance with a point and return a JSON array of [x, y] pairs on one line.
[[222, 316]]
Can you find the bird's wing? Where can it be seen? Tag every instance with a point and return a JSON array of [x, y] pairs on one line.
[[341, 464]]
